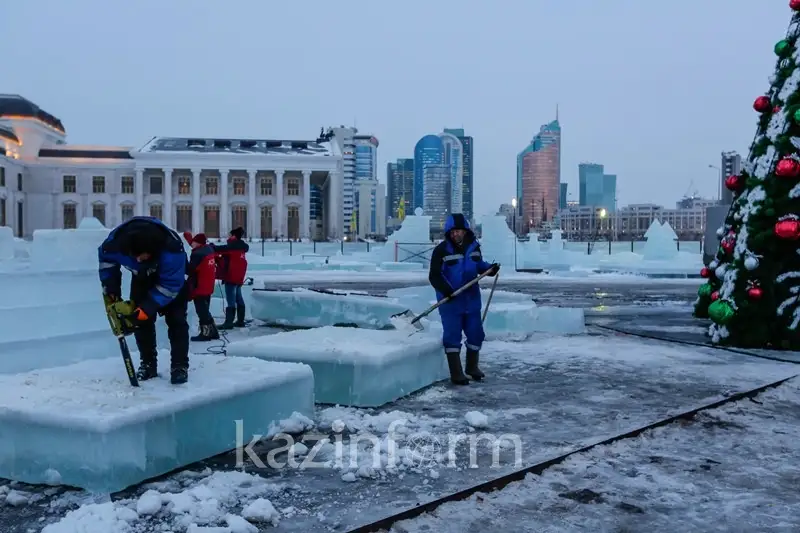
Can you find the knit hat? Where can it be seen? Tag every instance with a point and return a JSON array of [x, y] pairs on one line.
[[200, 238], [238, 232]]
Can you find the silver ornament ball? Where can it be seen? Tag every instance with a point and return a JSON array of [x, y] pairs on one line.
[[750, 263]]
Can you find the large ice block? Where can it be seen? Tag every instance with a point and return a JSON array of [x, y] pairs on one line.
[[307, 308], [518, 318], [84, 425], [356, 367]]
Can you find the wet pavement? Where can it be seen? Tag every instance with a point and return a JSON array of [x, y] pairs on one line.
[[552, 394]]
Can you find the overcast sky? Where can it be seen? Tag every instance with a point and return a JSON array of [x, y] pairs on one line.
[[653, 90]]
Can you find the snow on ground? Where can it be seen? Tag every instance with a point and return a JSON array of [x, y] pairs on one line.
[[732, 469]]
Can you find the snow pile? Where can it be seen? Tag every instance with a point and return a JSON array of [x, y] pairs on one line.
[[233, 500]]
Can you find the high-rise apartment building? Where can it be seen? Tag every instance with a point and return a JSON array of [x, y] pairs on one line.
[[731, 164], [562, 196], [360, 161], [454, 159], [596, 188], [539, 178], [399, 188], [437, 180], [429, 150], [467, 198]]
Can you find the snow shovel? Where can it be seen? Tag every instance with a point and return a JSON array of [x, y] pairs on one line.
[[414, 320], [489, 299]]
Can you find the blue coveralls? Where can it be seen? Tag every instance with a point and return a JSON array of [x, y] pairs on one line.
[[452, 267]]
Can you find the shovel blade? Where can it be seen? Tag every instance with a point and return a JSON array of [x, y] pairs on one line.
[[406, 319]]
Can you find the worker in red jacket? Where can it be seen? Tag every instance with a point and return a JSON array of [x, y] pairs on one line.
[[231, 269], [201, 279]]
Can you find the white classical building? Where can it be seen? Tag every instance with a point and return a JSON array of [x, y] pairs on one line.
[[275, 189]]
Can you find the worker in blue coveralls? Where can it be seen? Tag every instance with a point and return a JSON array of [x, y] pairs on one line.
[[456, 261], [155, 256]]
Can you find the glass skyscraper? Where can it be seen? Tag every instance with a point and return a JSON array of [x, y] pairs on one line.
[[596, 188], [539, 178], [467, 199], [429, 150]]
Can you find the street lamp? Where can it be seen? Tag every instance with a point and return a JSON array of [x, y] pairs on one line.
[[719, 184], [514, 205]]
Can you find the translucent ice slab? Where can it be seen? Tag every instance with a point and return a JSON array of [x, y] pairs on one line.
[[84, 425], [526, 318], [306, 308], [356, 367]]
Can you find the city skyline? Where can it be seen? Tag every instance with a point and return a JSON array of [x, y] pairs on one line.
[[143, 84]]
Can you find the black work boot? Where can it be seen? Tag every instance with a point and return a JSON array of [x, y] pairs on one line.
[[230, 316], [240, 317], [456, 373], [472, 365], [148, 368], [204, 335], [213, 334], [179, 376]]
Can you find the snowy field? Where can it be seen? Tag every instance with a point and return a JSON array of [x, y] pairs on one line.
[[732, 469]]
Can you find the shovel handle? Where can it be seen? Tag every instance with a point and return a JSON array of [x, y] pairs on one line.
[[446, 299]]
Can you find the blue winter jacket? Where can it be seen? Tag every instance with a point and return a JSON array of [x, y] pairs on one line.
[[166, 271], [453, 266]]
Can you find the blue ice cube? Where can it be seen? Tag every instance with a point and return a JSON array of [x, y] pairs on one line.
[[308, 308], [84, 425], [355, 367]]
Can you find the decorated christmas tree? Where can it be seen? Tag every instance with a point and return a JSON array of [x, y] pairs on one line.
[[752, 292]]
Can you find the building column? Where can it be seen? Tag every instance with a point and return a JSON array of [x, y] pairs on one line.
[[196, 214], [138, 188], [305, 220], [281, 231], [169, 211], [252, 217], [224, 208]]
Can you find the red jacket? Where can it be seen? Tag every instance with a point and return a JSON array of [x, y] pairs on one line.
[[202, 267], [232, 261]]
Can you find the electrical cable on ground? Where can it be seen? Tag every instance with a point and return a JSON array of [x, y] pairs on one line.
[[385, 524], [695, 343]]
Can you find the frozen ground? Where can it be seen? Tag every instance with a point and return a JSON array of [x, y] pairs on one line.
[[554, 394], [733, 469]]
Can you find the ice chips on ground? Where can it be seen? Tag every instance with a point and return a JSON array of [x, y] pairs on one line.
[[208, 503], [84, 425], [356, 367], [307, 308]]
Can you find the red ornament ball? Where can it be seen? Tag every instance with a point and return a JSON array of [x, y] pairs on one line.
[[788, 229], [776, 109], [705, 272], [787, 168], [734, 183], [755, 293], [794, 4], [728, 245], [715, 296], [762, 104]]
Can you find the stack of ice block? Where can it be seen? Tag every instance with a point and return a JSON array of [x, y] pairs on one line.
[[308, 308], [356, 367], [84, 425]]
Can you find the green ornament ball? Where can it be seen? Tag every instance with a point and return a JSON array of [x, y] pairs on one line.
[[783, 48], [796, 116], [704, 291], [720, 312]]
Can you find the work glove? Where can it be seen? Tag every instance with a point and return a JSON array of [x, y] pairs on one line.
[[493, 270]]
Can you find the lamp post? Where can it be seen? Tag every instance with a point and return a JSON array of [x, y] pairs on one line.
[[719, 184], [514, 205]]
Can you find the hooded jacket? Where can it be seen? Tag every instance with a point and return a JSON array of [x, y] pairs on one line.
[[453, 266]]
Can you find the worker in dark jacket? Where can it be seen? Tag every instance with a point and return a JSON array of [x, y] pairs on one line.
[[231, 269], [456, 261], [155, 256]]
